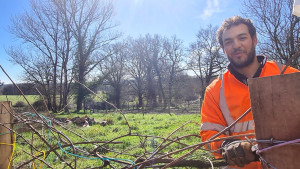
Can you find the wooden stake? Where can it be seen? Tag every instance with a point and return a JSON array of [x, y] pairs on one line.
[[6, 136], [275, 103]]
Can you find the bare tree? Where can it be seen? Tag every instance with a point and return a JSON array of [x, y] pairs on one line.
[[55, 31], [113, 69], [66, 54], [150, 86], [155, 59], [41, 32], [155, 62], [136, 67], [37, 70], [173, 50], [148, 53], [205, 59], [91, 22], [187, 89], [279, 29]]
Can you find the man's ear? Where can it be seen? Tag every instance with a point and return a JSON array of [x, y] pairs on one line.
[[223, 50], [254, 40]]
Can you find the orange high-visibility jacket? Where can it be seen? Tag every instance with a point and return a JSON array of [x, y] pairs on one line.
[[226, 99]]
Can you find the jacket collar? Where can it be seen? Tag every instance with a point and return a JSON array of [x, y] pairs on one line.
[[242, 78]]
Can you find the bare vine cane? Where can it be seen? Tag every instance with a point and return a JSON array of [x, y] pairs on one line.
[[211, 139], [192, 146], [158, 149], [290, 61], [32, 128], [23, 96], [129, 128], [260, 156], [37, 158], [43, 100]]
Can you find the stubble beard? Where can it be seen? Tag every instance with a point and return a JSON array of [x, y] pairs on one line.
[[247, 62]]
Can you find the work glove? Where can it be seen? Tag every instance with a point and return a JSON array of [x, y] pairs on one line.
[[238, 153]]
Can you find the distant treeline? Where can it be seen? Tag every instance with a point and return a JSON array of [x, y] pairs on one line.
[[26, 88], [187, 89]]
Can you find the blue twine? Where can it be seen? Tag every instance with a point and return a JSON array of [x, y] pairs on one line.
[[94, 158], [76, 155], [49, 122]]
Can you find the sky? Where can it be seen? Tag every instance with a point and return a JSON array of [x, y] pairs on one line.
[[183, 18]]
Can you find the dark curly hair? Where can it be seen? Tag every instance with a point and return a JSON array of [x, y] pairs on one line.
[[234, 21]]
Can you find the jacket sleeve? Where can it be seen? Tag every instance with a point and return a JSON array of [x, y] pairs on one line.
[[290, 70], [212, 120]]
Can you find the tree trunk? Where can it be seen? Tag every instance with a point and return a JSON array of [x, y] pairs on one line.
[[161, 87], [81, 72], [65, 91], [140, 98], [80, 97], [118, 97], [151, 96], [54, 105]]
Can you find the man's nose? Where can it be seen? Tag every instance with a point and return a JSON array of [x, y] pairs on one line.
[[236, 44]]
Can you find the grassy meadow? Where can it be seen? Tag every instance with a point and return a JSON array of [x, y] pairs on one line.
[[15, 98], [147, 132]]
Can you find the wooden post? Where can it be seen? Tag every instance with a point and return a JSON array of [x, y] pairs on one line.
[[275, 103], [6, 135]]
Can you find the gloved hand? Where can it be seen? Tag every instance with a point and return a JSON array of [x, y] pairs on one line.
[[238, 153]]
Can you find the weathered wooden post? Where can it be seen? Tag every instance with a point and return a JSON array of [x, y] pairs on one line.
[[6, 136], [275, 103]]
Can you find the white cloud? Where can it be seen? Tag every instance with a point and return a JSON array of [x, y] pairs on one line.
[[213, 6]]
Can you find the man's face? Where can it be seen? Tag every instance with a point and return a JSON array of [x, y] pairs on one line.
[[239, 46]]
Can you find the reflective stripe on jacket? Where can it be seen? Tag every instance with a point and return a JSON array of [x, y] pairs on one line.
[[226, 99]]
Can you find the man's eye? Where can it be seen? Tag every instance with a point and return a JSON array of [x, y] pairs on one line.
[[228, 42]]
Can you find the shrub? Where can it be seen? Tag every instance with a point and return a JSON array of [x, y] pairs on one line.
[[19, 104], [39, 105]]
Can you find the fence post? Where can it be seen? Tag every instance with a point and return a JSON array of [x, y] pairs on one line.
[[6, 136], [275, 102]]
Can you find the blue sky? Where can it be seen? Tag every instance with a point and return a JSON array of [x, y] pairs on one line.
[[182, 18]]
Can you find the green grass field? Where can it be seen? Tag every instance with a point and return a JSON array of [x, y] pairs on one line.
[[15, 98], [147, 132]]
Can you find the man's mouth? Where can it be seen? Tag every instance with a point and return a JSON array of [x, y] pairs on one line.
[[238, 53]]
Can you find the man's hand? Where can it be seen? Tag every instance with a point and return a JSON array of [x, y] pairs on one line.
[[238, 153]]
